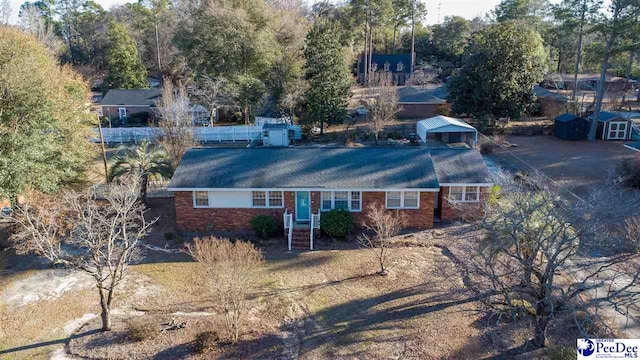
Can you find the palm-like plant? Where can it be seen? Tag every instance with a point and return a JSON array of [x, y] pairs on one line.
[[147, 159]]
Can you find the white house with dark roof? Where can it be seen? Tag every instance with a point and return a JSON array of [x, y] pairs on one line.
[[222, 189]]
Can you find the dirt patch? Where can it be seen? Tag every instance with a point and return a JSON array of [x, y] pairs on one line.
[[45, 285]]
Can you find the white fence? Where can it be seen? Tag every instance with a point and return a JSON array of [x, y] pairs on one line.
[[203, 134]]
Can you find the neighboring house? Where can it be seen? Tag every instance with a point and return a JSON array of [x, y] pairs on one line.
[[613, 126], [421, 103], [440, 130], [221, 189], [399, 65], [121, 104], [590, 82], [570, 127]]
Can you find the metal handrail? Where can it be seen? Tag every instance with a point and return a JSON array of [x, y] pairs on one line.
[[288, 225]]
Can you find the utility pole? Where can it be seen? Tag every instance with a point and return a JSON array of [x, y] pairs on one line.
[[413, 33]]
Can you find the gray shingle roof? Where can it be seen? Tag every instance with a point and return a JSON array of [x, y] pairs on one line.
[[433, 95], [335, 168], [141, 97], [460, 166]]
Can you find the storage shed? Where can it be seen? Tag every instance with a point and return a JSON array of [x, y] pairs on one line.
[[446, 130], [613, 126], [570, 127], [276, 135]]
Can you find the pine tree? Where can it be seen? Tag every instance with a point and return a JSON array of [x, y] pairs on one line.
[[123, 62], [327, 74]]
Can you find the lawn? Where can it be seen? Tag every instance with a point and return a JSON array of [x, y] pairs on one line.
[[320, 304]]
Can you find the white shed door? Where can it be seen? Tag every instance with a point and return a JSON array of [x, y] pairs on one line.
[[618, 130], [276, 138]]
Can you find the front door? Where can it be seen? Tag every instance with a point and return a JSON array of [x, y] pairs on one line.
[[303, 206]]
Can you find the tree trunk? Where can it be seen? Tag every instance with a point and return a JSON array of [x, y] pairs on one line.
[[413, 32], [105, 311], [155, 23], [144, 184], [393, 44], [579, 54], [627, 76], [600, 91], [542, 320]]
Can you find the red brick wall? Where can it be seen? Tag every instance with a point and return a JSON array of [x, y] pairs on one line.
[[451, 213], [189, 218], [418, 110], [112, 111]]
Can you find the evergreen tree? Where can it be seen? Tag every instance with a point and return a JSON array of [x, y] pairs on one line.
[[327, 74], [500, 69], [44, 125], [123, 62]]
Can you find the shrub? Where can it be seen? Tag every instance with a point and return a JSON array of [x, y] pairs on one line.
[[336, 223], [443, 109], [206, 341], [486, 148], [169, 236], [629, 172], [138, 119], [265, 226], [141, 328]]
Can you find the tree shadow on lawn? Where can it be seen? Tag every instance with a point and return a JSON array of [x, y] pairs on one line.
[[375, 319], [62, 341]]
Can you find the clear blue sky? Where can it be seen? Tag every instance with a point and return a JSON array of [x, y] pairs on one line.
[[465, 8]]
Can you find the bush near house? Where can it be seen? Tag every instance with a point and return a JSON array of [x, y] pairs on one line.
[[336, 223], [265, 226]]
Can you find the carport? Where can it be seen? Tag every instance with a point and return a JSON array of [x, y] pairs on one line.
[[446, 130]]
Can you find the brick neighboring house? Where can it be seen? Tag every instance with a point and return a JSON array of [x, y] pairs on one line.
[[120, 104], [399, 65], [220, 189]]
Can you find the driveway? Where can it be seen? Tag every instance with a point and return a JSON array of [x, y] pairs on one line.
[[576, 165]]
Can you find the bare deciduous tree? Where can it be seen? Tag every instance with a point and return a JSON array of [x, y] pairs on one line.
[[39, 221], [213, 93], [383, 104], [232, 269], [33, 23], [176, 122], [531, 256], [384, 225], [109, 232]]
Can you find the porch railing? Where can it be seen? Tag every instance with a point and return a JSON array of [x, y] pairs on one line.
[[315, 224], [287, 219]]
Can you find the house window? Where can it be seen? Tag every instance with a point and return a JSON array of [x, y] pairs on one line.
[[267, 198], [400, 66], [410, 199], [275, 198], [402, 199], [122, 113], [326, 200], [387, 66], [201, 198], [356, 201], [464, 194], [347, 200], [341, 200], [259, 198], [394, 199]]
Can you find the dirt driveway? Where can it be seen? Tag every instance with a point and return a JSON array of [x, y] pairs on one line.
[[577, 165]]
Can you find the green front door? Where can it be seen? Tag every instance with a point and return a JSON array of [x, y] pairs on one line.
[[303, 206]]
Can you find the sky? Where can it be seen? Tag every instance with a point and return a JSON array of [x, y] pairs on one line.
[[465, 8]]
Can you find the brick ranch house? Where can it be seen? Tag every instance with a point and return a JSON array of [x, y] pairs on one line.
[[222, 189]]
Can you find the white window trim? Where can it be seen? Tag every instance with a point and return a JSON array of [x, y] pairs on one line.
[[120, 111], [195, 205], [333, 200], [402, 206], [266, 200], [464, 195]]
